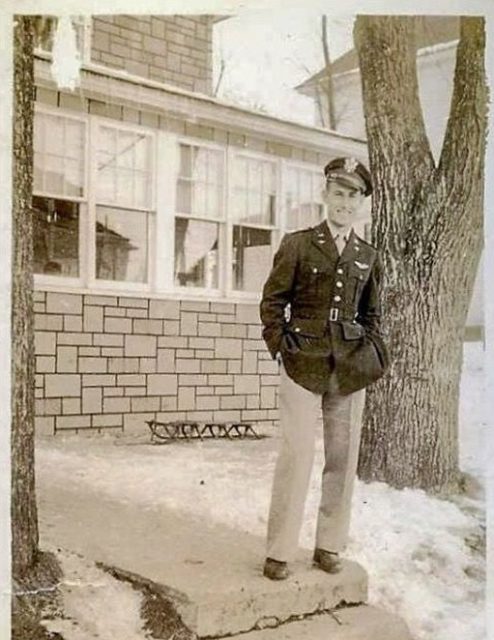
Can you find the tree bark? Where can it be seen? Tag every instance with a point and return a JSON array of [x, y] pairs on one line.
[[427, 221], [24, 512]]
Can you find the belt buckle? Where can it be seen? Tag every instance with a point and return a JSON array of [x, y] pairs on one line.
[[333, 314]]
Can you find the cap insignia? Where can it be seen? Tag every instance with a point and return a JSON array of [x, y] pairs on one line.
[[350, 165]]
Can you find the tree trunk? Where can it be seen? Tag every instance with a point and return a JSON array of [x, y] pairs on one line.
[[24, 512], [427, 221]]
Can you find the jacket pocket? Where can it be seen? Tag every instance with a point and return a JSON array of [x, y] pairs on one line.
[[310, 327], [352, 330], [381, 350]]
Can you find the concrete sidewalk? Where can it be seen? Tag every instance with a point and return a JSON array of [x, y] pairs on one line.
[[212, 573]]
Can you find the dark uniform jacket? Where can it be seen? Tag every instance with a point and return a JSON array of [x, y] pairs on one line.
[[321, 310]]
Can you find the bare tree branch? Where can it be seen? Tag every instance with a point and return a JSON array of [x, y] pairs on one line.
[[220, 76], [328, 75], [469, 103], [400, 103]]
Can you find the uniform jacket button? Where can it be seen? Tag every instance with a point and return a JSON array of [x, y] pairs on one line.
[[297, 329], [339, 284], [337, 298], [339, 271]]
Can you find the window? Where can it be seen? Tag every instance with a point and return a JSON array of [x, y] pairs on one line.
[[45, 33], [124, 204], [59, 194], [94, 213], [303, 203], [199, 206], [253, 213]]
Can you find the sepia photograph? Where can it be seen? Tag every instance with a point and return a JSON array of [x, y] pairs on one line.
[[246, 320]]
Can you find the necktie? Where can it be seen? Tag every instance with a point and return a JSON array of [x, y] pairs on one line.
[[340, 241]]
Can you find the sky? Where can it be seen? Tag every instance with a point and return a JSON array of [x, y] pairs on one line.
[[267, 53]]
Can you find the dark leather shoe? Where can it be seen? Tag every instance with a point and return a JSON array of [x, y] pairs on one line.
[[275, 569], [328, 561]]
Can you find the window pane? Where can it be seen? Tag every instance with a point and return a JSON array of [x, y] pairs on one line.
[[74, 140], [303, 203], [38, 172], [123, 168], [185, 161], [56, 237], [251, 258], [196, 253], [125, 149], [184, 196], [142, 189], [200, 181], [106, 182], [53, 170], [142, 150], [73, 179], [125, 192], [59, 155], [254, 191], [122, 244], [200, 161]]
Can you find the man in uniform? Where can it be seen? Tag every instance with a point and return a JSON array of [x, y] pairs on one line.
[[330, 348]]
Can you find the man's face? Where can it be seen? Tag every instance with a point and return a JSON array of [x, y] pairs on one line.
[[343, 204]]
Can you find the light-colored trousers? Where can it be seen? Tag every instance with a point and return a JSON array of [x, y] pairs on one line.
[[300, 412]]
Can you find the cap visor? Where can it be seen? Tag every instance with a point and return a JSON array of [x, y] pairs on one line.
[[352, 181]]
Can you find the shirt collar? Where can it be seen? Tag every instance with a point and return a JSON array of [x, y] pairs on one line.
[[336, 233]]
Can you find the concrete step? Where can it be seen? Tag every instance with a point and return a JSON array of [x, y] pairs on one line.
[[362, 622], [212, 573], [246, 600]]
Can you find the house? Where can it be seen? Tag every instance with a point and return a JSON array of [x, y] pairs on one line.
[[157, 210], [436, 39]]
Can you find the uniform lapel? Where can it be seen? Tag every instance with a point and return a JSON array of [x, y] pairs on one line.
[[349, 249], [324, 241]]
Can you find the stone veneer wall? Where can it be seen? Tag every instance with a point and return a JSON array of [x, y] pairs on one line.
[[107, 362], [176, 49]]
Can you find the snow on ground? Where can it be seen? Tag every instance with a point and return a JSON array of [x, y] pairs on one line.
[[413, 546], [473, 412], [88, 595]]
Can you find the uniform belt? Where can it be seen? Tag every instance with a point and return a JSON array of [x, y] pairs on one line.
[[336, 315]]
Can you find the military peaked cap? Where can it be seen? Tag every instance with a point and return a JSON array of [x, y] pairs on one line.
[[350, 172]]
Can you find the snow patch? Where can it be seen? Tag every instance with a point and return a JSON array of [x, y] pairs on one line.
[[96, 605]]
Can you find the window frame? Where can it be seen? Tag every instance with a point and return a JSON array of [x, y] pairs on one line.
[[87, 220], [275, 229], [217, 292], [42, 278], [98, 283]]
